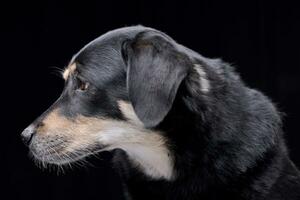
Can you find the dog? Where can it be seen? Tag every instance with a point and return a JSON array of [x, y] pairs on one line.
[[179, 125]]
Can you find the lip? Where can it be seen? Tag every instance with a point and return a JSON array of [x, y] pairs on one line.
[[58, 156], [48, 152], [55, 158], [43, 155]]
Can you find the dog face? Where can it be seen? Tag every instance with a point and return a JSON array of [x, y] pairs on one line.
[[118, 89]]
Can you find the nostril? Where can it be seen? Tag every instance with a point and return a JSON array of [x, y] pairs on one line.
[[27, 135]]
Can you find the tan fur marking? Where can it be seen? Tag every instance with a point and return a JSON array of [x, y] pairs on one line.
[[148, 149], [69, 70], [128, 112], [205, 86], [81, 132]]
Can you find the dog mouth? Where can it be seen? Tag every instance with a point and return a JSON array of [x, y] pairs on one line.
[[60, 152]]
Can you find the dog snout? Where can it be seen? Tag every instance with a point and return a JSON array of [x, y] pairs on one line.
[[28, 134]]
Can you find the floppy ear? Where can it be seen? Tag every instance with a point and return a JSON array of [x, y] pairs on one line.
[[155, 69]]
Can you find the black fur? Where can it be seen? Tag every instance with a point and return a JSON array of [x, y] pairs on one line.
[[227, 142], [152, 89]]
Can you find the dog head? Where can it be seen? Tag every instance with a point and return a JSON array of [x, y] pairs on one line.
[[118, 89]]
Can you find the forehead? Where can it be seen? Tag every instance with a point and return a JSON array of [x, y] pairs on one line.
[[100, 64], [100, 61], [102, 67], [107, 45]]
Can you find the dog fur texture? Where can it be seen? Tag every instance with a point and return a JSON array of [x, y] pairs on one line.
[[180, 126]]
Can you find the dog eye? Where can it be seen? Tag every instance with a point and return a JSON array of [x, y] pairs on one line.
[[82, 86]]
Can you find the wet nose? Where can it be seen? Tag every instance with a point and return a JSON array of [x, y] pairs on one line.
[[28, 134]]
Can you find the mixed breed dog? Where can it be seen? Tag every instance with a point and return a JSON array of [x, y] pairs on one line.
[[180, 126]]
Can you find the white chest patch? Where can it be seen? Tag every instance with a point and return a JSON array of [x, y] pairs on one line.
[[147, 149]]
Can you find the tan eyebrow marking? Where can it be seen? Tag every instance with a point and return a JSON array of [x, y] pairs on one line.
[[69, 70]]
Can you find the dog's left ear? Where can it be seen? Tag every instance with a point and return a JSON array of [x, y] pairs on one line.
[[155, 70]]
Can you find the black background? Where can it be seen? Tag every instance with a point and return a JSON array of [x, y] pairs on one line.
[[262, 39]]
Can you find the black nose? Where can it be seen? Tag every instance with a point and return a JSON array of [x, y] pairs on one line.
[[27, 135]]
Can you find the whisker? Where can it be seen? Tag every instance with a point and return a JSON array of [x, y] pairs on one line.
[[56, 71]]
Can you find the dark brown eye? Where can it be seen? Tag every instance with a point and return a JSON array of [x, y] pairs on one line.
[[83, 86]]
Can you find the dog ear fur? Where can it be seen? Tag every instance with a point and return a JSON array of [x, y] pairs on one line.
[[155, 70]]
